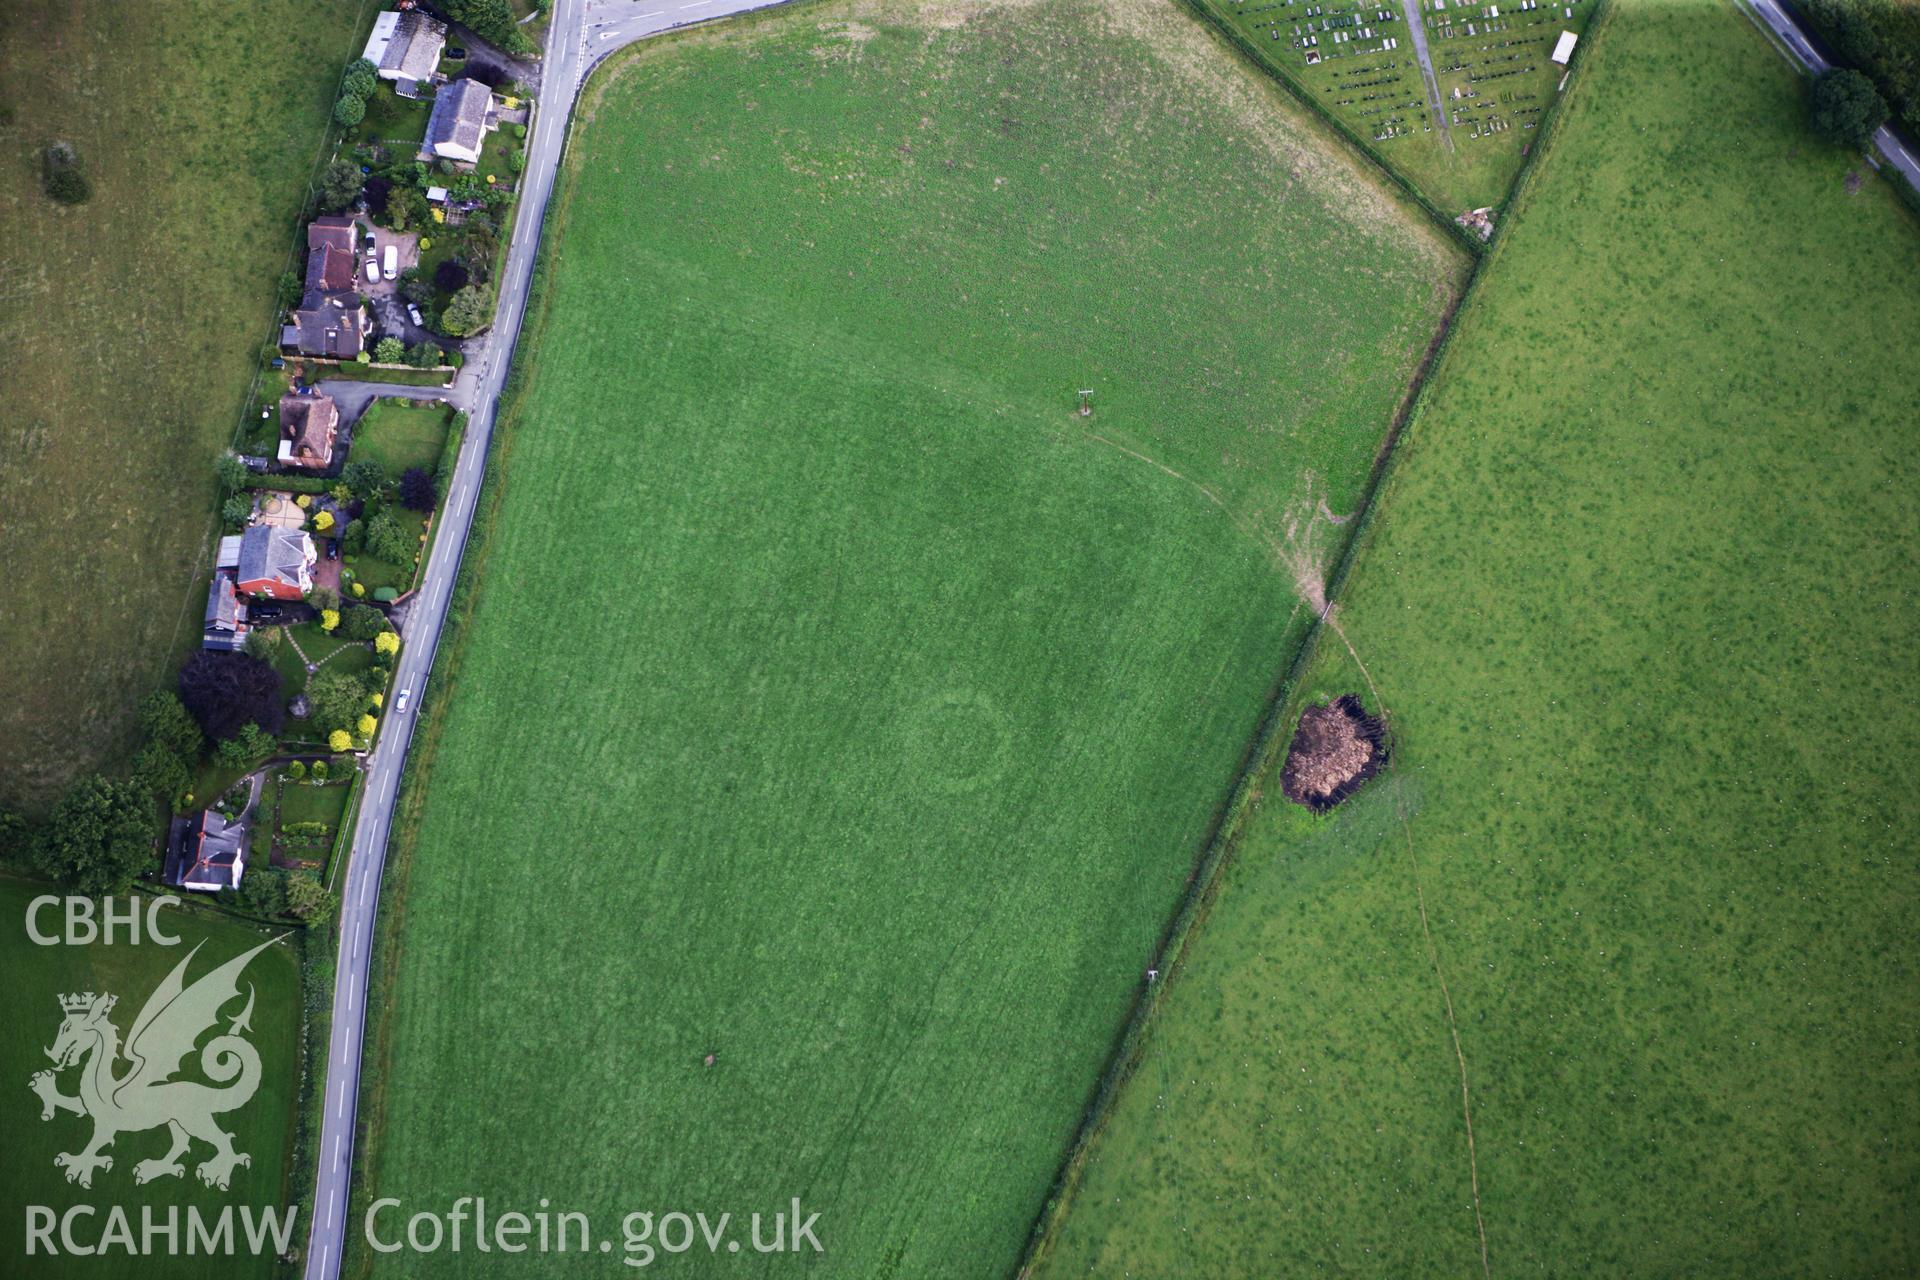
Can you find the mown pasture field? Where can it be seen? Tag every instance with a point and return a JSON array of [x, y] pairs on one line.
[[132, 326], [1640, 601], [37, 976], [837, 702]]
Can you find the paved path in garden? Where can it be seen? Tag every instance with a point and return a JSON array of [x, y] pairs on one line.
[[1417, 32], [1891, 145], [581, 33]]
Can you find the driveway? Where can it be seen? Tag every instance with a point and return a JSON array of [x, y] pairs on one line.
[[390, 320], [355, 397], [484, 61], [406, 247]]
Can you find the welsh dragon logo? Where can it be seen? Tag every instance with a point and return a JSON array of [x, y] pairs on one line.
[[146, 1095]]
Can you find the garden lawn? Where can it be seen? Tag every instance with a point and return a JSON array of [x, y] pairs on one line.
[[398, 435], [1640, 601], [838, 702], [400, 123], [37, 976], [307, 802], [156, 293]]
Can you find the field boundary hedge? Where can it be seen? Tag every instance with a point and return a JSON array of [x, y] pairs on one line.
[[1244, 794]]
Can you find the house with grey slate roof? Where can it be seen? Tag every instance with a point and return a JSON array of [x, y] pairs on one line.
[[206, 852], [329, 324], [463, 116], [275, 562]]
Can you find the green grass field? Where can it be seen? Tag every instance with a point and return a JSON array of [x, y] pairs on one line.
[[1491, 62], [36, 978], [132, 327], [837, 702], [1640, 601], [131, 331]]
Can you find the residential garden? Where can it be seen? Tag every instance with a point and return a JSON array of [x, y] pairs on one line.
[[463, 224]]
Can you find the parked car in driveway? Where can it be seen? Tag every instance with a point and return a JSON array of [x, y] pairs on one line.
[[392, 261], [373, 266], [413, 314], [333, 548], [264, 612]]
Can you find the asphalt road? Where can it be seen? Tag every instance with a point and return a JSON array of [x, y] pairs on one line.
[[580, 34], [1890, 144]]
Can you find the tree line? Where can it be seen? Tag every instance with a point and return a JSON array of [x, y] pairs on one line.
[[1882, 39]]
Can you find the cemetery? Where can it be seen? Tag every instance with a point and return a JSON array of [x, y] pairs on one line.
[[1494, 69]]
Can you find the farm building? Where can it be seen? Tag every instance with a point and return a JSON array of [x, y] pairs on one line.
[[276, 562], [405, 46], [462, 117], [225, 626], [1563, 50], [308, 425]]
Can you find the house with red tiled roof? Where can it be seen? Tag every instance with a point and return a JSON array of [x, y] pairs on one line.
[[331, 264], [308, 425]]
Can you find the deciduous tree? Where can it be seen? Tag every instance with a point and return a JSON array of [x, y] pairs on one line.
[[101, 835], [335, 700], [308, 899], [364, 478], [468, 310], [340, 184], [244, 748], [164, 719], [1846, 107]]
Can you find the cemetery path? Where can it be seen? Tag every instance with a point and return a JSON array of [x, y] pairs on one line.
[[1417, 32]]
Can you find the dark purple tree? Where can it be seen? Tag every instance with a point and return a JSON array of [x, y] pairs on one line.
[[225, 692], [417, 490]]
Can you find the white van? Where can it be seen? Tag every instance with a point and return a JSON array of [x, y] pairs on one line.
[[392, 261]]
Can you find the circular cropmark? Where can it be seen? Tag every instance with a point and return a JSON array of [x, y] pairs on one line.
[[956, 741]]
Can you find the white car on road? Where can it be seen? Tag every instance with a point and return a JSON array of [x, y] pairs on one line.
[[400, 703]]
